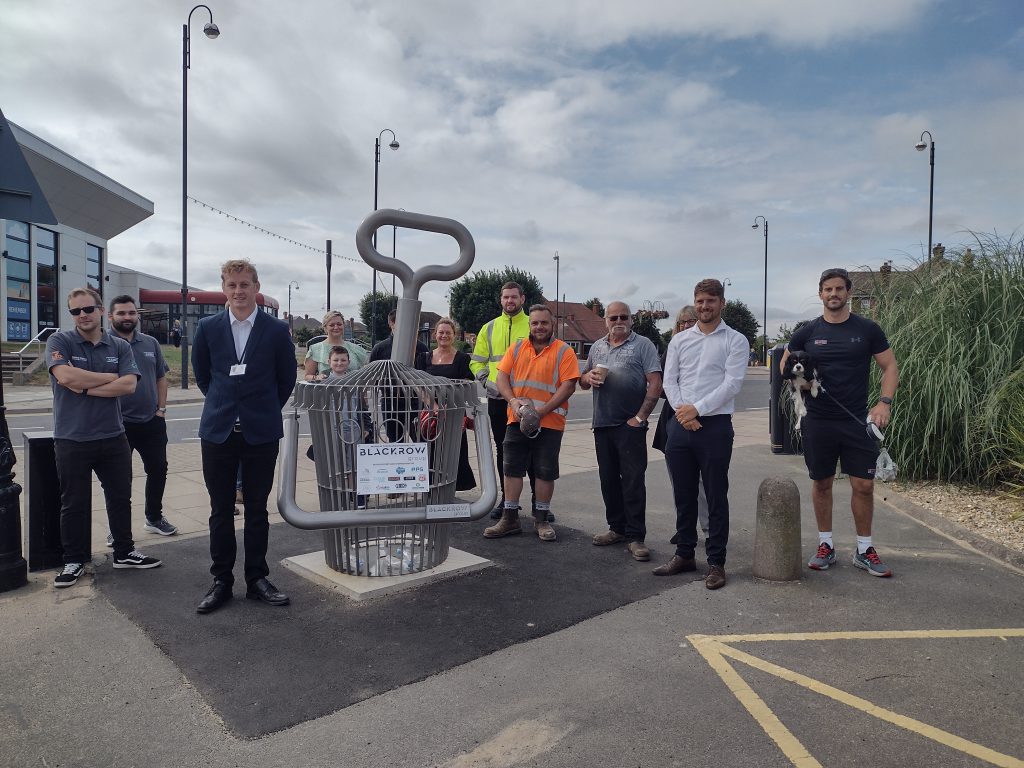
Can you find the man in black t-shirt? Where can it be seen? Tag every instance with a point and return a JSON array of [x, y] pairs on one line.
[[842, 345]]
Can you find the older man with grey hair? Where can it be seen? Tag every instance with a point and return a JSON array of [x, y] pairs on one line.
[[624, 371]]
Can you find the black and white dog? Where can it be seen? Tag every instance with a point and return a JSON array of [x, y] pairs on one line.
[[802, 376]]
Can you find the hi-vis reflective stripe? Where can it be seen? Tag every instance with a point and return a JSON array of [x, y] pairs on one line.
[[558, 365], [533, 385], [559, 410]]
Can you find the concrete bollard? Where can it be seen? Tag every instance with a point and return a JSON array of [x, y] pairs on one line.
[[777, 555]]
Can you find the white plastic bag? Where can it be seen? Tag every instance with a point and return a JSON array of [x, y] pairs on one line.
[[885, 467]]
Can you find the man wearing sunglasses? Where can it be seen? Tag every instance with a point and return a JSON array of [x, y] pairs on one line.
[[624, 371], [842, 346], [90, 370]]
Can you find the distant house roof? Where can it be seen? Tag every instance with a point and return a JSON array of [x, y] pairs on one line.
[[865, 283], [579, 322]]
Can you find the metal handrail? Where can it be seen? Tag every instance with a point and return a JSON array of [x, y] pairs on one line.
[[35, 340]]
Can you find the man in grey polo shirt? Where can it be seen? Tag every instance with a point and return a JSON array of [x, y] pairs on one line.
[[90, 370], [145, 410], [625, 373]]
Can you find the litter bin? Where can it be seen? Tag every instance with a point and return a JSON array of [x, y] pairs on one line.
[[785, 438], [386, 438], [43, 548]]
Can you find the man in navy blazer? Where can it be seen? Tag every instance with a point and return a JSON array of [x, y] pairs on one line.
[[244, 362]]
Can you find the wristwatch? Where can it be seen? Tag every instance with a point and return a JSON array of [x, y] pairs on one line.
[[886, 400]]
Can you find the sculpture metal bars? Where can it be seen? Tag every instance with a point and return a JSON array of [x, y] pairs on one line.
[[390, 407]]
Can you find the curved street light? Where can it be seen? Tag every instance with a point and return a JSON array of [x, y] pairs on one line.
[[212, 31], [921, 146], [764, 327], [376, 179]]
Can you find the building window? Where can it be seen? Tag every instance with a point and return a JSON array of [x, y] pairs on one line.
[[94, 267], [46, 278], [19, 276]]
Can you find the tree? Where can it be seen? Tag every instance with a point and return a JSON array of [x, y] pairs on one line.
[[475, 298], [385, 303], [302, 335], [595, 305], [644, 325], [739, 317], [786, 333]]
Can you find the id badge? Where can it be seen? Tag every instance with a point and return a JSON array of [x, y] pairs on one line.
[[237, 370]]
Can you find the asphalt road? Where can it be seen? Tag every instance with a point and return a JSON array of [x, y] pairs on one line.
[[183, 419]]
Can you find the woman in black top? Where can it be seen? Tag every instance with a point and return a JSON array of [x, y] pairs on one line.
[[449, 362]]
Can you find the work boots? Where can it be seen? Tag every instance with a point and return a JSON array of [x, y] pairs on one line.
[[543, 528], [506, 526]]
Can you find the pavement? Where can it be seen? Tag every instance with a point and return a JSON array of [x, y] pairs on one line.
[[563, 655]]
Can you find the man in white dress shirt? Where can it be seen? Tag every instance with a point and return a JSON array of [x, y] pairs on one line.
[[704, 370]]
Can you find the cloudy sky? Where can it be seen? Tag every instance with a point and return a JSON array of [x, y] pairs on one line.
[[637, 139]]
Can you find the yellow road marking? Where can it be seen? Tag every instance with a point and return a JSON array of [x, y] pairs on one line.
[[754, 704], [714, 649], [909, 634]]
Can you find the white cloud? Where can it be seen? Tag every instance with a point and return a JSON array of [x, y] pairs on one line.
[[542, 127]]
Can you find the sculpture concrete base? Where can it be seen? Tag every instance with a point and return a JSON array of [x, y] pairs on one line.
[[313, 566]]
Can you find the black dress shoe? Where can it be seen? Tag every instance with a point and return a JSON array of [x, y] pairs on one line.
[[262, 589], [219, 594]]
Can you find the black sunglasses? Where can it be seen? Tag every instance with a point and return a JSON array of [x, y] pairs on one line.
[[614, 318], [79, 310]]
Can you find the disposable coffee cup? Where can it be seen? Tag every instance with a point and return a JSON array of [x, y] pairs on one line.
[[603, 369]]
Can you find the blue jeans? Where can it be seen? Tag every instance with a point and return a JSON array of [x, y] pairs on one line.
[[701, 456]]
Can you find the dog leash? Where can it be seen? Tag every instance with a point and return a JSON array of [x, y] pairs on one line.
[[872, 428]]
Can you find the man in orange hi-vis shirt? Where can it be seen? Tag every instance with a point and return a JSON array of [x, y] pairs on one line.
[[536, 376]]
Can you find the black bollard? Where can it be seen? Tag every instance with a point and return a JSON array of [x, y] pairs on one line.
[[13, 568]]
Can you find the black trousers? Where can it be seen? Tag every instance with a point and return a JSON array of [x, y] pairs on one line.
[[221, 462], [149, 438], [497, 411], [692, 457], [111, 460], [622, 467]]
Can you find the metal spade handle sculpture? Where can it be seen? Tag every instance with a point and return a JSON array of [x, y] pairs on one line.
[[394, 381]]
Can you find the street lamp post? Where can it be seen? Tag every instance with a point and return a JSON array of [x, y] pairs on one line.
[[376, 179], [558, 269], [291, 325], [920, 147], [211, 31], [764, 326]]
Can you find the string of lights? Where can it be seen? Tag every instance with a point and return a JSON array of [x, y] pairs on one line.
[[265, 231]]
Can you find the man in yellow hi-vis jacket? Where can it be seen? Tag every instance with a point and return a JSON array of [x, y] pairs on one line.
[[495, 337]]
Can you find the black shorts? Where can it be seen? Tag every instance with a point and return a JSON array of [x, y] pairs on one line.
[[539, 453], [827, 441]]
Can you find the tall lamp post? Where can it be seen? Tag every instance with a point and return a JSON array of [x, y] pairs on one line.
[[291, 325], [764, 326], [920, 147], [211, 31], [558, 267], [376, 179]]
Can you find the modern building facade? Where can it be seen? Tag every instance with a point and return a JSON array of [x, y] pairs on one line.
[[41, 262]]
